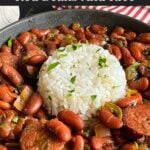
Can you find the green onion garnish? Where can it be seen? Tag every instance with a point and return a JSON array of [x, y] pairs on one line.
[[15, 119], [9, 42], [102, 62], [73, 79], [93, 97], [52, 66]]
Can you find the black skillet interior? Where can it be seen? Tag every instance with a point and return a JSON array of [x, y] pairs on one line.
[[85, 17]]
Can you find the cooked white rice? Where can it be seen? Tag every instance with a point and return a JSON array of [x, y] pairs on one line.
[[77, 81]]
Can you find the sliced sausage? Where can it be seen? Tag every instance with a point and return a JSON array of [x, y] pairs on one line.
[[35, 136], [136, 120]]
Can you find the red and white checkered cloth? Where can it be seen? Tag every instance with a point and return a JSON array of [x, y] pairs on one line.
[[141, 13]]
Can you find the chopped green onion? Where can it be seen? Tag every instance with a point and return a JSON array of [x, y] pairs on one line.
[[98, 50], [52, 66], [30, 127], [115, 86], [68, 95], [93, 97], [75, 46], [61, 49], [15, 119], [71, 91], [49, 97], [10, 42], [102, 62], [134, 66], [87, 132], [73, 79], [62, 55]]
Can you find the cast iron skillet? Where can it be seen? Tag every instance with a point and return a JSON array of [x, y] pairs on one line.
[[85, 17]]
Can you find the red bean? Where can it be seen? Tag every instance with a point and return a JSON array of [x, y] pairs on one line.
[[33, 105], [141, 84], [8, 58], [4, 105], [2, 147], [127, 58], [99, 143], [128, 101], [51, 47], [18, 127], [32, 49], [13, 75], [130, 36], [129, 146], [17, 48], [40, 32], [60, 129], [4, 130], [135, 50], [5, 94], [77, 142], [109, 119], [119, 30], [116, 51], [89, 34], [65, 30], [80, 35], [36, 60], [96, 28], [24, 38], [9, 115], [58, 38], [144, 38], [71, 119], [94, 41], [6, 48]]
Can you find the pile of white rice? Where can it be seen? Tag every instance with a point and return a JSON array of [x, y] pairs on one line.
[[81, 78]]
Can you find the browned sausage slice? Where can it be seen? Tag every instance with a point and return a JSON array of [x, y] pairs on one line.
[[137, 120], [35, 136]]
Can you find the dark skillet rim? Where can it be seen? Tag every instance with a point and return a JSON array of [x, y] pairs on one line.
[[26, 19]]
